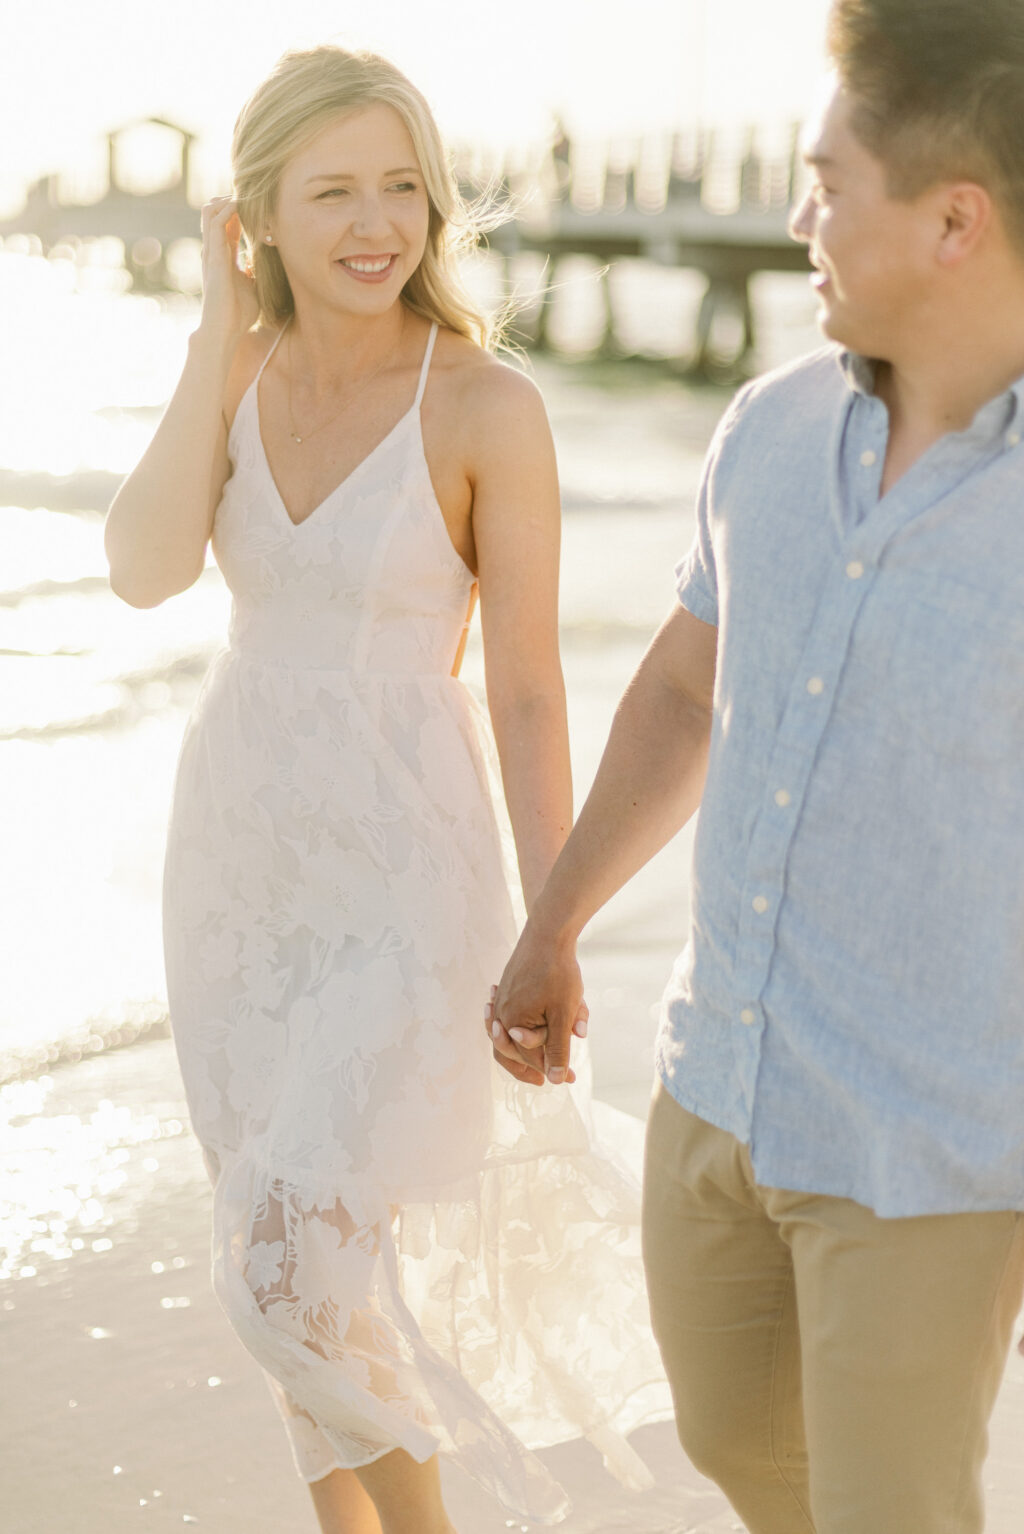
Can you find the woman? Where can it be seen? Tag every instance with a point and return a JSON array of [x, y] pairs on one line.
[[410, 1242]]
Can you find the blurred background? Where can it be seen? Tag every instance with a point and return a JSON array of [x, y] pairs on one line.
[[651, 151]]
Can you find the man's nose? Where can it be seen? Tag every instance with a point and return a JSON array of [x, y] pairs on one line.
[[801, 221]]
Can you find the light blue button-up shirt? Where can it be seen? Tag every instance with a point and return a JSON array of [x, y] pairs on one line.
[[851, 999]]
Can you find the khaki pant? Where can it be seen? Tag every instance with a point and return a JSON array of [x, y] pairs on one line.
[[834, 1373]]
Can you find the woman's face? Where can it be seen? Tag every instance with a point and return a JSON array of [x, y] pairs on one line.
[[351, 216]]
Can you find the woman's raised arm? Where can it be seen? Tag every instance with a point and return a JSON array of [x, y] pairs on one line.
[[160, 520]]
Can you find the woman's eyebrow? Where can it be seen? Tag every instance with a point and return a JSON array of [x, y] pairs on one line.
[[403, 170]]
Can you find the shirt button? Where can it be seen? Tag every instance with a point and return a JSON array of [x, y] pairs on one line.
[[782, 798], [748, 1016], [868, 458], [855, 569], [815, 686], [760, 904]]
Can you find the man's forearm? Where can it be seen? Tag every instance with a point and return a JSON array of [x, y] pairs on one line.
[[649, 783]]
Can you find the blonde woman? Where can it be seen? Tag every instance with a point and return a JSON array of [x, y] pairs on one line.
[[423, 1253]]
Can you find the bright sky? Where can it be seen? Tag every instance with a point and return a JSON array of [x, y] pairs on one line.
[[494, 72]]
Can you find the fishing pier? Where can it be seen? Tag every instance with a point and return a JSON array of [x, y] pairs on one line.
[[717, 203]]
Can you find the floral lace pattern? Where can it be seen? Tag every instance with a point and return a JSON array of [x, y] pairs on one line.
[[420, 1252]]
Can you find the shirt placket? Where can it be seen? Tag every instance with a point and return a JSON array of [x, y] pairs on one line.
[[854, 495]]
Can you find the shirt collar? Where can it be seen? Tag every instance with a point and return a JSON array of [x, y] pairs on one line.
[[994, 416], [858, 371]]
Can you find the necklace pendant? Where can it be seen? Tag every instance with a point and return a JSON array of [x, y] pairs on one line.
[[294, 437]]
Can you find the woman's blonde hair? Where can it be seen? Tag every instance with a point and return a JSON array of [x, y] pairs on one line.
[[308, 90]]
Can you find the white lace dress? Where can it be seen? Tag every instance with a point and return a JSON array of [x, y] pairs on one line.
[[420, 1252]]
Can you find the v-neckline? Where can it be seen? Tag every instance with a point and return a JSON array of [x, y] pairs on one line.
[[295, 526]]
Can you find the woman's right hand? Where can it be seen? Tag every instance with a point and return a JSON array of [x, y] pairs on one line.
[[230, 307], [161, 518]]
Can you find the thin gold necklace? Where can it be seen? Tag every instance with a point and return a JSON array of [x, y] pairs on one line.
[[300, 437]]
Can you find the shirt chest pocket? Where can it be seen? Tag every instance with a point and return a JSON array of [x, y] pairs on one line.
[[956, 668]]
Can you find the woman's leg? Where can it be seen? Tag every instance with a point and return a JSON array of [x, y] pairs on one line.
[[407, 1495], [394, 1495], [343, 1506]]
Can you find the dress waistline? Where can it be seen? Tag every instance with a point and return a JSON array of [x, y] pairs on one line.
[[363, 673]]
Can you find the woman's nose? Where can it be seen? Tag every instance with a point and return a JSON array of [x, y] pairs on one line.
[[370, 217]]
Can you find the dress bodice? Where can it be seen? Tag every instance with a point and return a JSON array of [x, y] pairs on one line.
[[369, 582]]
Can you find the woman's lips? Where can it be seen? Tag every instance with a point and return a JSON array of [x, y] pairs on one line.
[[368, 268]]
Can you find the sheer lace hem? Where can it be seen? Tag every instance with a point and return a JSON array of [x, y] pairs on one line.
[[465, 1327]]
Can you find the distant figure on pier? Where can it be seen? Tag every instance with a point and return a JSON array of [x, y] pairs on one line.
[[561, 156]]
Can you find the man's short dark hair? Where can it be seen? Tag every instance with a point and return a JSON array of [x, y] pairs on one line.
[[938, 88]]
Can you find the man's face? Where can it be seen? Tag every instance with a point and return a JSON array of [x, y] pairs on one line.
[[870, 250]]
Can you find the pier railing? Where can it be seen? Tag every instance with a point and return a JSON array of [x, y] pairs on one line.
[[717, 202]]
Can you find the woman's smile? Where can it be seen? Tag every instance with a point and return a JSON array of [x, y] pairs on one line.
[[368, 268]]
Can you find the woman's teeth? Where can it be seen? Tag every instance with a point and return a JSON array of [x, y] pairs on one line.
[[369, 267]]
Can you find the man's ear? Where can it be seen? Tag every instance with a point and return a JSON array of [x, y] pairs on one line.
[[967, 211]]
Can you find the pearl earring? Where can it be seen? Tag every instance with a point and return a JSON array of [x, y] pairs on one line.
[[268, 239]]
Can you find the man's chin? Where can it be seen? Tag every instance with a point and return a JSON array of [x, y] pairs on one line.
[[832, 327]]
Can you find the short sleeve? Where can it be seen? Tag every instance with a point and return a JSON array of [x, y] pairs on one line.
[[697, 575]]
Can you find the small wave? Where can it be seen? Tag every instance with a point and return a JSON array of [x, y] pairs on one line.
[[576, 501], [87, 490], [149, 691], [62, 654], [84, 585], [139, 1021]]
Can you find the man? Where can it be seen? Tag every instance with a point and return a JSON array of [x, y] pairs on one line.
[[835, 1167]]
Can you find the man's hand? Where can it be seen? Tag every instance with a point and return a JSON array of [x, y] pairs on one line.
[[508, 1054], [538, 1007], [517, 1052]]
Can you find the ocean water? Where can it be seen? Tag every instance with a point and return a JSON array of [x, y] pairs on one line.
[[94, 695]]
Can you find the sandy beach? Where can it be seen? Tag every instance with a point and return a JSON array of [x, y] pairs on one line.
[[135, 1406], [129, 1404]]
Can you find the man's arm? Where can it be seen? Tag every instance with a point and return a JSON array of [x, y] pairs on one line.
[[648, 785]]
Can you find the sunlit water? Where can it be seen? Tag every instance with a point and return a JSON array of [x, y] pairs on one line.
[[94, 695]]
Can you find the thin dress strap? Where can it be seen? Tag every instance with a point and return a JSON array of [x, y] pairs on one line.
[[273, 349], [425, 369]]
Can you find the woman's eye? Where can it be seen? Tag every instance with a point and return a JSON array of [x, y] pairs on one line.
[[333, 191], [404, 186]]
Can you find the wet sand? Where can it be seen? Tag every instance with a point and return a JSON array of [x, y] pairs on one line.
[[134, 1406], [128, 1403]]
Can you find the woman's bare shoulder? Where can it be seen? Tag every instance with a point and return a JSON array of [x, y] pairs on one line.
[[485, 388]]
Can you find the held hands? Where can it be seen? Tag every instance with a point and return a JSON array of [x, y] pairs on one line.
[[229, 295], [535, 1011]]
